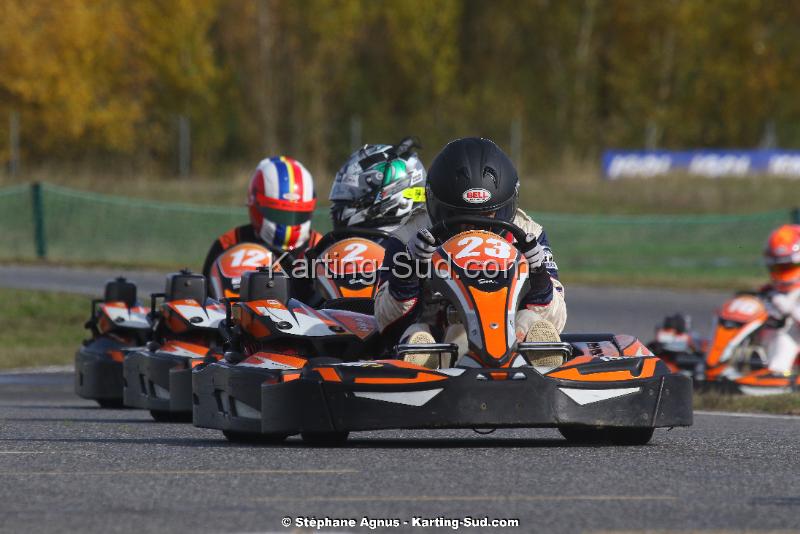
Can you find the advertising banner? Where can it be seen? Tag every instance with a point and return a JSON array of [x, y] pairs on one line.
[[706, 163]]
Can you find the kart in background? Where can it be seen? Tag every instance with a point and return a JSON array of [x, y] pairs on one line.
[[118, 322], [610, 388], [186, 334], [269, 333], [734, 360]]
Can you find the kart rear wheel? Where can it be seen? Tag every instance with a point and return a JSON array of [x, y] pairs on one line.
[[164, 416], [235, 436], [588, 435], [110, 403], [325, 438]]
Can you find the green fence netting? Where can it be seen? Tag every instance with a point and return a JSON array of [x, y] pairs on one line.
[[77, 226]]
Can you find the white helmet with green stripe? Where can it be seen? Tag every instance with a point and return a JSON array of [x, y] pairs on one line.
[[378, 186]]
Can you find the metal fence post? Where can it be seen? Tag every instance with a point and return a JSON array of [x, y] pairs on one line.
[[796, 215], [38, 220], [13, 143]]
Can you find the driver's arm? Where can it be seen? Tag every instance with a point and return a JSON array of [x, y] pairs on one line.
[[545, 299], [398, 295]]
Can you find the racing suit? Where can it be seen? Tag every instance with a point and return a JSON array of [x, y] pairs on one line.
[[398, 302], [783, 344], [302, 289]]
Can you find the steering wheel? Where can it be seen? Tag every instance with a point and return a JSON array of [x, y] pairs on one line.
[[439, 229], [342, 233]]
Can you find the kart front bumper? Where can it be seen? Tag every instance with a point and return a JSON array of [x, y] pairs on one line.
[[98, 370], [465, 399], [228, 397], [158, 382]]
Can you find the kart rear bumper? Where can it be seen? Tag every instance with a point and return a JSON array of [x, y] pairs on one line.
[[308, 404], [157, 382], [98, 375]]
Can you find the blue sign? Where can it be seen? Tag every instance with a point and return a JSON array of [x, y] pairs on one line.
[[708, 163]]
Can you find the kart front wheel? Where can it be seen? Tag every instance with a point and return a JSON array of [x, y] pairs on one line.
[[325, 438], [235, 436], [588, 435]]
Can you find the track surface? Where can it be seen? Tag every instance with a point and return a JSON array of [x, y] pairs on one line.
[[68, 466], [628, 311]]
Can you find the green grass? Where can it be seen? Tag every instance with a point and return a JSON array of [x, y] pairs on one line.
[[40, 328], [787, 404]]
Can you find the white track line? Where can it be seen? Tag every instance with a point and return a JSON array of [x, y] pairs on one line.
[[39, 370], [750, 415]]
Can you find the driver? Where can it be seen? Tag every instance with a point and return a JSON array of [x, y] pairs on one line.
[[280, 202], [782, 256], [470, 176]]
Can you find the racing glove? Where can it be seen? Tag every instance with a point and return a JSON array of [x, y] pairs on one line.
[[422, 246], [536, 254]]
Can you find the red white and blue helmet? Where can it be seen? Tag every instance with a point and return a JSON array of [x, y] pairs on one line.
[[281, 201]]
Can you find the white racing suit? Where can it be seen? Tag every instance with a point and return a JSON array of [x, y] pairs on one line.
[[398, 302], [783, 344]]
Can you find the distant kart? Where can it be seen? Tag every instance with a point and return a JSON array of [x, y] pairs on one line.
[[270, 332], [734, 360], [158, 376], [610, 389], [682, 349], [737, 359], [118, 323]]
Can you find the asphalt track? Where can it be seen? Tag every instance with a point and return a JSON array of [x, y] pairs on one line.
[[69, 466]]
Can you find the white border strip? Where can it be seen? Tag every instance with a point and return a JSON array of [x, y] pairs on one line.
[[748, 414]]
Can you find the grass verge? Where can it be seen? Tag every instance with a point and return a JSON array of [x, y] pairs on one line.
[[787, 404], [40, 327]]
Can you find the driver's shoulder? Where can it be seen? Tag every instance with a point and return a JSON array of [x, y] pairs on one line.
[[524, 221]]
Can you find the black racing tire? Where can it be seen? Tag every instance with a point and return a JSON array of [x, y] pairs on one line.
[[164, 416], [325, 438], [616, 436], [235, 436], [110, 403]]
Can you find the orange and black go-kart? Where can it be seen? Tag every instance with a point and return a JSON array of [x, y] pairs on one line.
[[269, 333], [158, 376], [346, 262], [680, 347], [736, 361], [610, 389], [118, 322]]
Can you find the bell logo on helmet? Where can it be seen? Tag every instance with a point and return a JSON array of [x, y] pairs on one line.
[[291, 196], [476, 196]]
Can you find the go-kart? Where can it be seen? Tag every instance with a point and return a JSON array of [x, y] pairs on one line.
[[610, 388], [737, 360], [118, 322], [269, 332], [681, 348]]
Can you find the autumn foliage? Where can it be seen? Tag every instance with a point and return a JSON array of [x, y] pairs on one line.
[[105, 80]]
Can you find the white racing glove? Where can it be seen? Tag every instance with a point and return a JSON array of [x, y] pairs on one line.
[[422, 246], [535, 255]]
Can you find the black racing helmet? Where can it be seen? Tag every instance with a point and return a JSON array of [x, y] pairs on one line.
[[472, 176]]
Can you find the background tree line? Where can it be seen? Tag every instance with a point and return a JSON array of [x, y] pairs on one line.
[[103, 81]]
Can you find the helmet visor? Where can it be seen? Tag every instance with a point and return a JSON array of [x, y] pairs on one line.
[[288, 212]]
